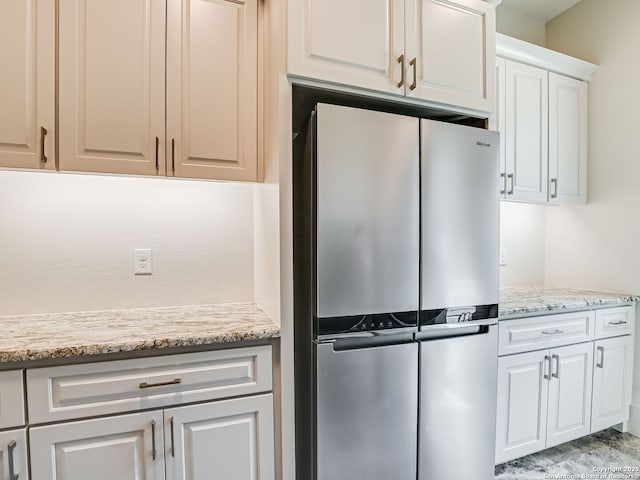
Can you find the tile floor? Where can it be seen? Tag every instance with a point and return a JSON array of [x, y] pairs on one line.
[[607, 455]]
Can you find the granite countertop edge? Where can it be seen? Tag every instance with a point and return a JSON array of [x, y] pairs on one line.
[[516, 302], [78, 334]]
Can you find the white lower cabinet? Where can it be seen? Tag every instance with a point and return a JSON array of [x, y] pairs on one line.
[[569, 411], [226, 440], [549, 396], [126, 447], [544, 399], [216, 439], [522, 405], [612, 377], [13, 454]]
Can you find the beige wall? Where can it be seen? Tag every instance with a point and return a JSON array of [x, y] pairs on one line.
[[66, 242], [518, 25], [598, 245]]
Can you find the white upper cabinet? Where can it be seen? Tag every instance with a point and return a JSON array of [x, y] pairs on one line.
[[441, 51], [541, 112], [353, 42], [567, 139], [526, 132], [27, 84], [451, 52], [111, 86], [212, 88]]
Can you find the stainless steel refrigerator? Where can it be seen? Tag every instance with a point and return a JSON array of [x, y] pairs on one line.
[[395, 297]]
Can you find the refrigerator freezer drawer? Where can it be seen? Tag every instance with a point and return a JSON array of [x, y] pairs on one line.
[[458, 381], [367, 405]]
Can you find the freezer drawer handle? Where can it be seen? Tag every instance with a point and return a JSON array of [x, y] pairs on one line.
[[547, 367], [552, 332], [557, 372], [601, 364], [10, 448], [175, 381]]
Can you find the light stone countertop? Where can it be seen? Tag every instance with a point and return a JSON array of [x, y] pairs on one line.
[[63, 335], [524, 301]]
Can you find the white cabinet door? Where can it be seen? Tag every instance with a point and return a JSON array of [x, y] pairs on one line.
[[13, 454], [212, 89], [127, 447], [570, 393], [611, 382], [27, 83], [112, 86], [522, 405], [567, 139], [450, 50], [526, 132], [225, 440], [11, 399], [352, 42]]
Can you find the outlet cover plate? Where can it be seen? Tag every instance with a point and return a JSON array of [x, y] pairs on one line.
[[142, 261]]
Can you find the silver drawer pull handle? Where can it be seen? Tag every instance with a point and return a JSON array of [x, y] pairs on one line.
[[547, 363], [10, 447], [557, 359], [173, 445], [619, 322], [175, 381], [552, 332], [153, 440], [601, 364]]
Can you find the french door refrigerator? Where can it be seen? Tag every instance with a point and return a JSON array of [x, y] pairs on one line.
[[394, 313]]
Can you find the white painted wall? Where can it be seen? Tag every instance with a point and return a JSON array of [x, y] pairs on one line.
[[522, 233], [519, 25], [597, 245], [66, 242]]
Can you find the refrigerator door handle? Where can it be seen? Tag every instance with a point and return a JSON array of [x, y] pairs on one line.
[[358, 342], [462, 331]]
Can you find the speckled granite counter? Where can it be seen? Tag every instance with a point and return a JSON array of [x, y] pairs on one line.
[[61, 335], [523, 301]]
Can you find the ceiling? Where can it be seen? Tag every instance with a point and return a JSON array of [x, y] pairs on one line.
[[543, 10]]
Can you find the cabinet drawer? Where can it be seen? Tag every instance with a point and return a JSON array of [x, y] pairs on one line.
[[76, 391], [612, 322], [11, 399], [535, 333]]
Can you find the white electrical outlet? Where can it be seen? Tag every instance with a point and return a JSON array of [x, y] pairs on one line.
[[142, 263], [503, 257]]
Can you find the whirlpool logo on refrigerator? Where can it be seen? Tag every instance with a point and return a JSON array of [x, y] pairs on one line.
[[482, 144]]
